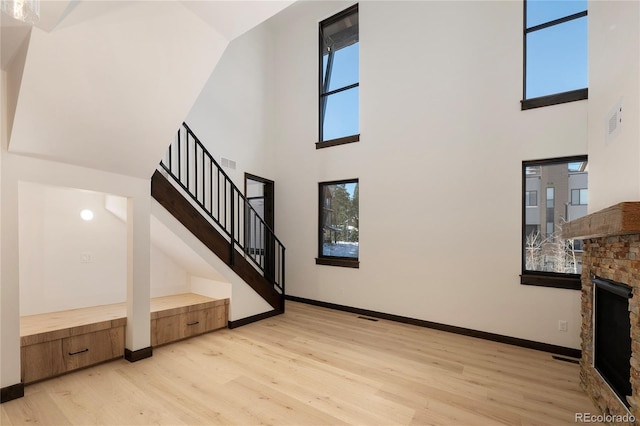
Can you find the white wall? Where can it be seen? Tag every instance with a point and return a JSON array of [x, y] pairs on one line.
[[230, 115], [614, 74], [223, 282], [439, 162], [54, 276]]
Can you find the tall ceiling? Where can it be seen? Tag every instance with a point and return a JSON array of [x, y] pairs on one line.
[[105, 84]]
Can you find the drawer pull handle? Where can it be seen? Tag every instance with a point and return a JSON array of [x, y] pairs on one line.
[[193, 323], [79, 352]]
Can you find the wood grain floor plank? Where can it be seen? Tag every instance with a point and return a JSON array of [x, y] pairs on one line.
[[314, 366]]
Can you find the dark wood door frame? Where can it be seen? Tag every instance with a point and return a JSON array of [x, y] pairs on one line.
[[269, 197]]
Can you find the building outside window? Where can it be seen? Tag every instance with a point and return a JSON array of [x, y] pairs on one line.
[[339, 223], [339, 79], [579, 197], [555, 52], [531, 198], [547, 258]]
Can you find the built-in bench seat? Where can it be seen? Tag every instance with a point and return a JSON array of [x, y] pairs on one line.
[[57, 342]]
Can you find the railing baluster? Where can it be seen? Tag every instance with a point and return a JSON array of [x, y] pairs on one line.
[[179, 152], [195, 168], [233, 233], [241, 222]]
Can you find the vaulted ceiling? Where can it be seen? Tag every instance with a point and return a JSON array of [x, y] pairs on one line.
[[105, 84]]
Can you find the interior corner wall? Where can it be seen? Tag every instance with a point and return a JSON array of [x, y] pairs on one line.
[[614, 75], [439, 165], [167, 276], [66, 262], [230, 115]]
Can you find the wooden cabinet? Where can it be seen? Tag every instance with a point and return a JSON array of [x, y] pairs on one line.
[[58, 342], [59, 350], [41, 360], [92, 348], [181, 316]]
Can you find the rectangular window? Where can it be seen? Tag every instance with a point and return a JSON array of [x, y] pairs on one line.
[[579, 197], [547, 258], [339, 79], [531, 198], [555, 52], [339, 223]]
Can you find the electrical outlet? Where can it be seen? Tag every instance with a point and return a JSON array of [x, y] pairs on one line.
[[562, 325], [85, 258]]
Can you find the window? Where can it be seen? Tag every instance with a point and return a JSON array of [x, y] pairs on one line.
[[579, 197], [555, 52], [339, 223], [548, 259], [339, 79], [531, 198], [550, 211]]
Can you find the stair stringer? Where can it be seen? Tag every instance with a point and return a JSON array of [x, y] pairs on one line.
[[245, 301]]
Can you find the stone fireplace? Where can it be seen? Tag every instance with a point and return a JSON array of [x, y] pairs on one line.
[[611, 253]]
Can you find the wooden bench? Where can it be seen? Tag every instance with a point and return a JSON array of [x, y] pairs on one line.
[[58, 342]]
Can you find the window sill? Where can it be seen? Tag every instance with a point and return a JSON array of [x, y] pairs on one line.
[[339, 141], [343, 262], [555, 99], [542, 279]]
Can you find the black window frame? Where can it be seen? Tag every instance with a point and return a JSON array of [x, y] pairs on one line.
[[347, 262], [323, 93], [542, 278], [580, 203], [554, 98]]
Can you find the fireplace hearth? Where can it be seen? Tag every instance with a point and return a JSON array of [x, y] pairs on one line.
[[610, 332]]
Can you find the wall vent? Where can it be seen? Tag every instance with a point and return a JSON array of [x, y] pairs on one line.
[[230, 164]]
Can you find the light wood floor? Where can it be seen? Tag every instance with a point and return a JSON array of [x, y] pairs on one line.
[[314, 366]]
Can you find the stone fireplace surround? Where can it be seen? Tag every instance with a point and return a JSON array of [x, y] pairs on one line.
[[611, 251]]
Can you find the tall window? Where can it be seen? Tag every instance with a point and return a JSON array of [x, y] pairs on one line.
[[555, 52], [339, 79], [339, 223], [547, 258]]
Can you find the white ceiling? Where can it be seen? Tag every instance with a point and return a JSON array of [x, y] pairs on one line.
[[106, 84]]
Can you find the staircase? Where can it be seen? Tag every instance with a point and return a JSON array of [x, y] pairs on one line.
[[192, 186]]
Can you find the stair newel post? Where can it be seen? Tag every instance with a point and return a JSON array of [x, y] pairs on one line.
[[282, 279], [233, 228]]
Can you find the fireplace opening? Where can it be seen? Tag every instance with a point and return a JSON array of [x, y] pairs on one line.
[[612, 335]]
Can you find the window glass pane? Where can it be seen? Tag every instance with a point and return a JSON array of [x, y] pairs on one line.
[[344, 68], [531, 198], [584, 196], [547, 251], [340, 117], [542, 11], [557, 59], [340, 220]]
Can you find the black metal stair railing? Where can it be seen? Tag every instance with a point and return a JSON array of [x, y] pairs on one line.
[[192, 168]]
